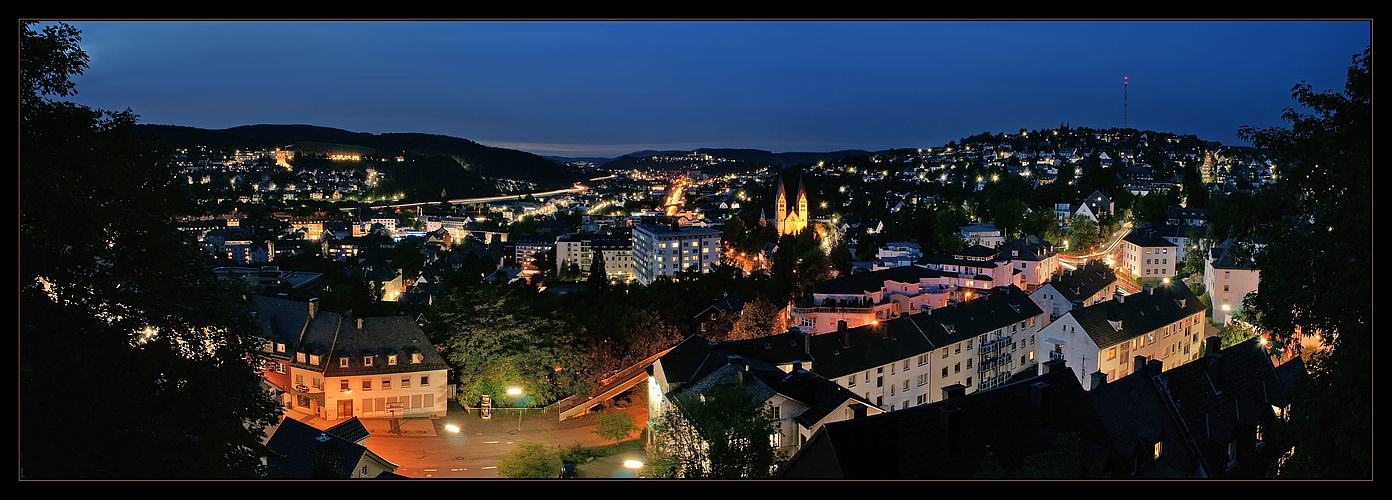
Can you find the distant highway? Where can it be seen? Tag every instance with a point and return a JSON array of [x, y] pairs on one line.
[[489, 199]]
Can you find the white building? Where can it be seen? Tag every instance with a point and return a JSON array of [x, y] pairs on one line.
[[1228, 278], [660, 250], [1146, 255]]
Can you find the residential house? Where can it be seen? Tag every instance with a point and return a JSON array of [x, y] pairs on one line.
[[1148, 442], [800, 401], [986, 235], [300, 451], [860, 298], [339, 367], [1162, 322], [1146, 255], [1229, 275], [1089, 284]]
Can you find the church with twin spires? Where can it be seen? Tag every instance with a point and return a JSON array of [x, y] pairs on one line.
[[790, 214]]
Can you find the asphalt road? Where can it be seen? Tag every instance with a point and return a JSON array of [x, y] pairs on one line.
[[476, 450]]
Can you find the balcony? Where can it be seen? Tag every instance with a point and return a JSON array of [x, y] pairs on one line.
[[1055, 355]]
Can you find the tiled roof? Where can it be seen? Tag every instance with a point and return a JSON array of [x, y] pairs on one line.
[[873, 281], [900, 338], [1144, 237], [949, 439], [351, 429], [380, 338], [1137, 416], [298, 447], [1221, 398], [1083, 282], [1137, 313]]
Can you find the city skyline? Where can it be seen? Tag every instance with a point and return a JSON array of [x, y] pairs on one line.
[[605, 88]]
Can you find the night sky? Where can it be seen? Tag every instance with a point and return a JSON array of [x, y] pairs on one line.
[[576, 88]]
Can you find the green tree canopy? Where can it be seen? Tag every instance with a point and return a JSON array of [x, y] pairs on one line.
[[724, 434], [494, 339], [530, 460], [1316, 277]]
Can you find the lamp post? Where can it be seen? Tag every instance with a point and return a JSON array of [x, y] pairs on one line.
[[517, 392]]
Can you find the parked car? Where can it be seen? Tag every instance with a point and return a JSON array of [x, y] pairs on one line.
[[567, 471]]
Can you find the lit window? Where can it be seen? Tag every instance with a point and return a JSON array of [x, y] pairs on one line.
[[342, 362], [367, 360], [391, 359]]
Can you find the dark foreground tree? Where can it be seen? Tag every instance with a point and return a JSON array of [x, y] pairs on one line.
[[1317, 274], [135, 360]]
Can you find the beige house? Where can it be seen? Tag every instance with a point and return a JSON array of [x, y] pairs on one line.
[[1164, 323], [1228, 278], [1146, 255], [341, 367]]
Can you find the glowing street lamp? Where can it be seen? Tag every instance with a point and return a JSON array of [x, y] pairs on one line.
[[513, 391]]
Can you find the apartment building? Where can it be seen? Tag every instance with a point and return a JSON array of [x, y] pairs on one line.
[[1228, 278], [1163, 322], [1146, 255], [660, 250]]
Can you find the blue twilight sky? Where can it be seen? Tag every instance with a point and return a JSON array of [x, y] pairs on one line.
[[592, 88]]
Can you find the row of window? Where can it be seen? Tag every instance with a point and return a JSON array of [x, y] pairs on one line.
[[343, 384]]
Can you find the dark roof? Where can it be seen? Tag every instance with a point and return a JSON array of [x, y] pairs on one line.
[[1029, 247], [821, 396], [297, 448], [1137, 313], [873, 281], [1137, 416], [379, 338], [690, 360], [950, 438], [1145, 237], [1083, 282], [1220, 398], [281, 320], [351, 429], [1223, 257]]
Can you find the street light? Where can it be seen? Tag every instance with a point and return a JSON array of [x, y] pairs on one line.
[[513, 391]]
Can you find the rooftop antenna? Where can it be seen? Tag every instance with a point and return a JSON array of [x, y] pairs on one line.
[[1123, 101]]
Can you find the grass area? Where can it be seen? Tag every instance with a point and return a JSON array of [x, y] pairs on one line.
[[581, 454]]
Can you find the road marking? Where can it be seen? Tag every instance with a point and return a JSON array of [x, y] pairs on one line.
[[430, 470], [490, 442], [457, 470], [491, 467]]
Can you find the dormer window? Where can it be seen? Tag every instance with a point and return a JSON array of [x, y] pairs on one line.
[[415, 358], [280, 347], [1232, 453], [367, 360], [1159, 448], [314, 359], [342, 362], [300, 357], [391, 360]]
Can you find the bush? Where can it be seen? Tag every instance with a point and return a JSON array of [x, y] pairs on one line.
[[530, 460]]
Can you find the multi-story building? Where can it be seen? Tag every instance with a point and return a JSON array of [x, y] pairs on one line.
[[525, 252], [578, 249], [1089, 284], [1146, 255], [660, 250], [1163, 322], [858, 299], [907, 361], [986, 235], [339, 367], [1228, 278]]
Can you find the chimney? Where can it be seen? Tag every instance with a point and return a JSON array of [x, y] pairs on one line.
[[1212, 345], [952, 426], [1039, 395], [1052, 365], [845, 334], [858, 410], [1147, 289], [953, 391], [313, 307], [1118, 296], [807, 344], [1099, 379], [1154, 366], [797, 366], [1138, 364]]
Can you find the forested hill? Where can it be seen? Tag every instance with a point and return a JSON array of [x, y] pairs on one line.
[[484, 161]]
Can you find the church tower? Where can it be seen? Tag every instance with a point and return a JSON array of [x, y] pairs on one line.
[[791, 222]]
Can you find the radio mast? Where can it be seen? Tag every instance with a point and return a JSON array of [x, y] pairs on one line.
[[1123, 101]]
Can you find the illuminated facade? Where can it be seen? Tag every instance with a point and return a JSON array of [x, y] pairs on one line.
[[791, 215]]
